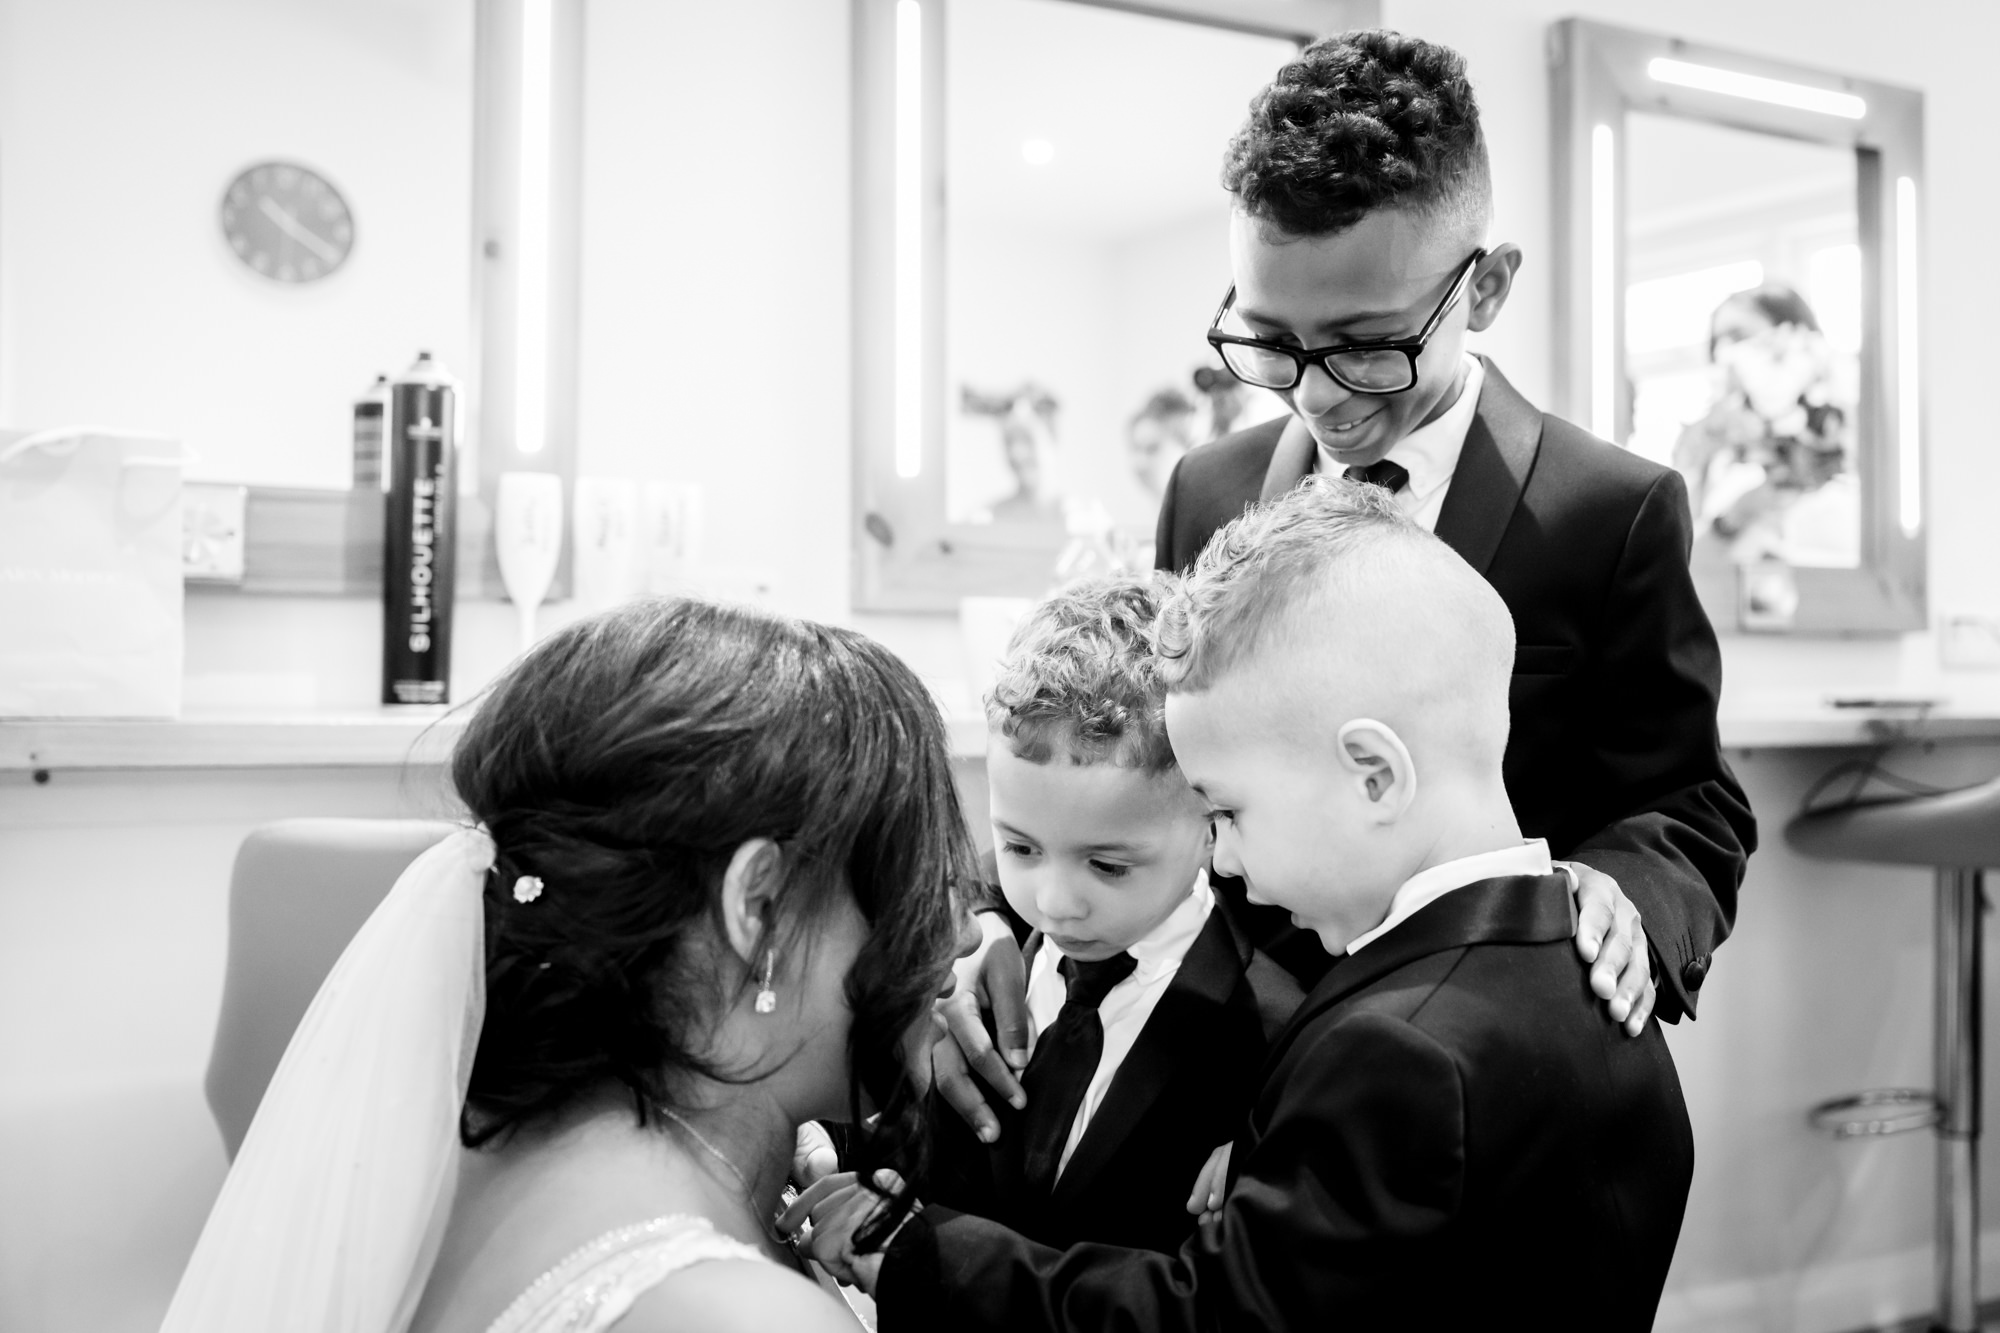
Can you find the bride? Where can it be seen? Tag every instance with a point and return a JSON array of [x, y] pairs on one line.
[[555, 1080]]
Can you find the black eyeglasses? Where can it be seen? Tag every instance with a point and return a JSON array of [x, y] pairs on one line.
[[1376, 367]]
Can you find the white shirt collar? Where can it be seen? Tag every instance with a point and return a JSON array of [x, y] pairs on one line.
[[1430, 452], [1427, 886]]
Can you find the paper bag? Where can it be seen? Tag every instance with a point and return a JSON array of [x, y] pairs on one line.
[[90, 574]]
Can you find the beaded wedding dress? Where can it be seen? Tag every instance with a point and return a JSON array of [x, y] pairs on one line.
[[590, 1290]]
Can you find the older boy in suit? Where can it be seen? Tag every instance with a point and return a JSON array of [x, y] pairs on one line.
[[1361, 261], [1450, 1133]]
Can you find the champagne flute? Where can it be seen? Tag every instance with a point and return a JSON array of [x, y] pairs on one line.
[[527, 536]]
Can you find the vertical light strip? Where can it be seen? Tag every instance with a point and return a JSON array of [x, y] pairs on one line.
[[909, 378], [1603, 303], [531, 316], [1909, 394]]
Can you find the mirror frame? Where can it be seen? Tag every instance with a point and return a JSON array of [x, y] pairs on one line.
[[1599, 74], [907, 557]]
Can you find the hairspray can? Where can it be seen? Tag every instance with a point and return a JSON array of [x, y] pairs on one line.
[[370, 412], [419, 536]]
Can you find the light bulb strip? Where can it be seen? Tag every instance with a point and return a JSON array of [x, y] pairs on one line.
[[531, 346], [1909, 384], [1603, 293], [1756, 88], [909, 206]]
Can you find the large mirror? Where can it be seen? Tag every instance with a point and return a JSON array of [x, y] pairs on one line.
[[1041, 240], [1737, 299]]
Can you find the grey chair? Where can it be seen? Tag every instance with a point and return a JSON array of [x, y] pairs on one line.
[[300, 890], [1957, 834]]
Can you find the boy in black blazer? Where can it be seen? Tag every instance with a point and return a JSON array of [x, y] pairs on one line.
[[1363, 200], [1450, 1133], [1152, 1010]]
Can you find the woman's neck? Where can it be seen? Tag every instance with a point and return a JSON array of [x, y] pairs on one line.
[[741, 1138]]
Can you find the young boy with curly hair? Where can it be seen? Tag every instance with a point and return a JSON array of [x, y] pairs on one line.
[[1151, 1011]]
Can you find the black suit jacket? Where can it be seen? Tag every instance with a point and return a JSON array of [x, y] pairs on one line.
[[1613, 756], [1451, 1133], [1183, 1089]]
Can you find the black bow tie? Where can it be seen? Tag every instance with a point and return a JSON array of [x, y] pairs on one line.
[[1391, 477]]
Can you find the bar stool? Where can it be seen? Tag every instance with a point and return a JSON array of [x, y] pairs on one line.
[[1958, 835]]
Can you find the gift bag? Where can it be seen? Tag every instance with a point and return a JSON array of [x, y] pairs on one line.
[[90, 574]]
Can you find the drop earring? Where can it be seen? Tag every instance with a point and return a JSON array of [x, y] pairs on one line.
[[767, 999]]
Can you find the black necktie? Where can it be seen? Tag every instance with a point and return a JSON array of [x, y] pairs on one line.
[[1065, 1059], [1391, 477]]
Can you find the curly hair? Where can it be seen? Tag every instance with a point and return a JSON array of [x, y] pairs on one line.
[[1080, 679], [623, 761], [1362, 121]]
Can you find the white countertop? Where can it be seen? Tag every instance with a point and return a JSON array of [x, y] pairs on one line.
[[1801, 719], [390, 737], [379, 738]]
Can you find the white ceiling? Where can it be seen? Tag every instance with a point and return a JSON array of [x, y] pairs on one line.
[[1138, 110]]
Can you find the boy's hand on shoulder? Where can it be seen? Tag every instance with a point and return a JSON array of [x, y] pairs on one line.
[[1210, 1184], [1611, 939], [814, 1156], [993, 978]]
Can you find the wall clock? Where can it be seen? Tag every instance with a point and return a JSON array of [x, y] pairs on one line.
[[287, 222]]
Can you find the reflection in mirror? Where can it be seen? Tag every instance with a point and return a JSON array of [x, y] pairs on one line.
[[129, 301], [1086, 248], [1743, 318]]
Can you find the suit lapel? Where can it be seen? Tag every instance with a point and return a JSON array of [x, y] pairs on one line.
[[1193, 1003], [1516, 909], [1492, 471], [1291, 460]]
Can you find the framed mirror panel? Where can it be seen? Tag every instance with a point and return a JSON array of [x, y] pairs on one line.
[[1737, 297], [1040, 240]]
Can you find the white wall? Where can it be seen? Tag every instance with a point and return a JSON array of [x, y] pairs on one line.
[[715, 276], [122, 123]]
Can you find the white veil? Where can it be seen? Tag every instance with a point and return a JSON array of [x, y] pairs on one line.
[[330, 1218]]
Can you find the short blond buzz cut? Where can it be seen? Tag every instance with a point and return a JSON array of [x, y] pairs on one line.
[[1260, 576]]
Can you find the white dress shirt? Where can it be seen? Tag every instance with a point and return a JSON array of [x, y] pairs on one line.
[[1427, 886], [1429, 453], [1129, 1004]]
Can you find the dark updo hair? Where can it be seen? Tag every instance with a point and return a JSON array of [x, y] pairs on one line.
[[623, 762], [1361, 121]]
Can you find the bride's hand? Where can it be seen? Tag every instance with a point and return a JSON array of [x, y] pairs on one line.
[[838, 1207]]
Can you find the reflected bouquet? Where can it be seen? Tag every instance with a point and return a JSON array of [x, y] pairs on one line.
[[1778, 428], [1788, 379]]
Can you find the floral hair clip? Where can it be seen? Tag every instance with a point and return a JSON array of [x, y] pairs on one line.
[[527, 888]]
